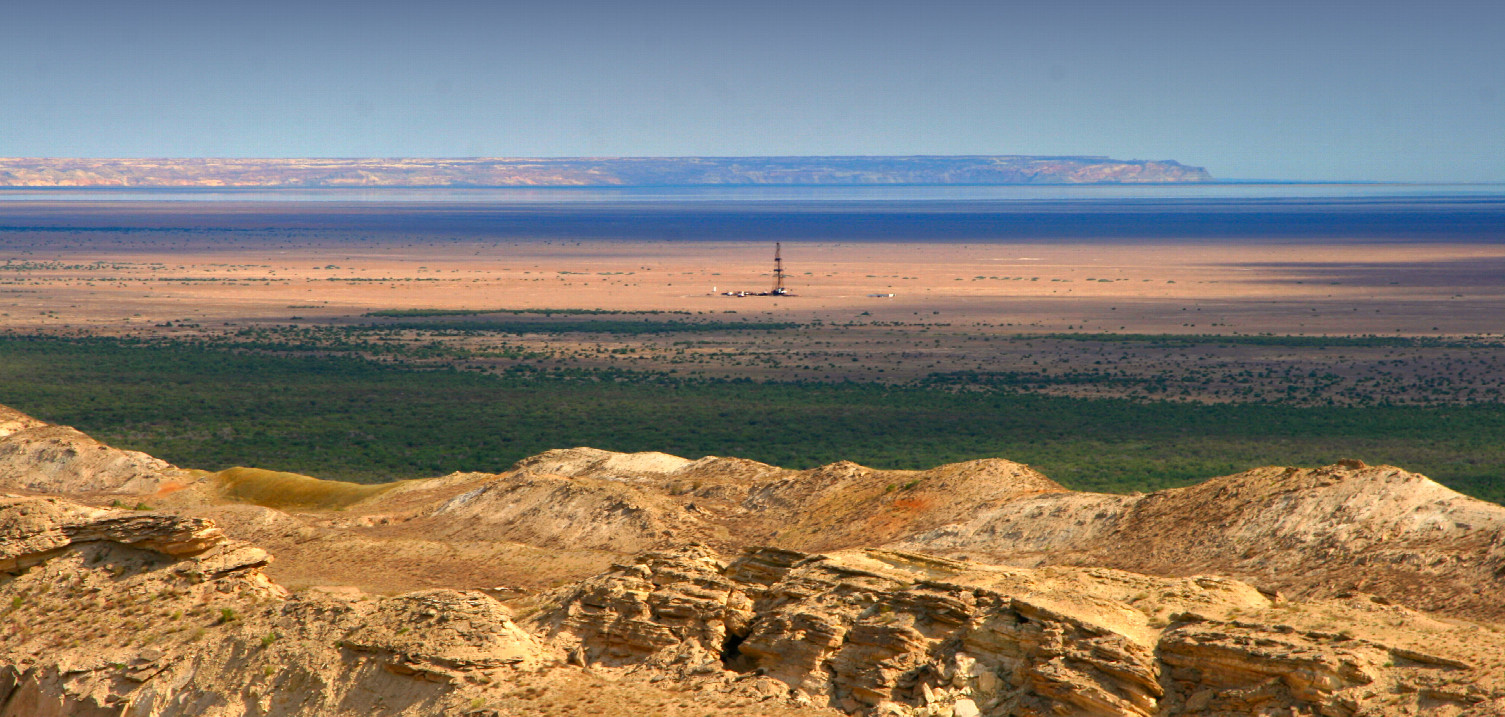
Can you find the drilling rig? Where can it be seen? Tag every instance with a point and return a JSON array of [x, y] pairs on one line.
[[778, 278], [778, 271]]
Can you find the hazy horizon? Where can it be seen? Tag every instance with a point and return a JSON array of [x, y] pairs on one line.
[[1217, 178], [1392, 90]]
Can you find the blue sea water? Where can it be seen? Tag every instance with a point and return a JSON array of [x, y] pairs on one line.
[[1109, 213]]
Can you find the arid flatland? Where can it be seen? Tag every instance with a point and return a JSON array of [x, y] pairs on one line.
[[993, 305]]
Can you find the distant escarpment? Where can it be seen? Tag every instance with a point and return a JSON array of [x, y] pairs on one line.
[[591, 172]]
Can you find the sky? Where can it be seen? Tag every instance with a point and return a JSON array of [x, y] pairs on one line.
[[1315, 90]]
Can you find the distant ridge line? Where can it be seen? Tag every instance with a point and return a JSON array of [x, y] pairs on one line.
[[855, 170]]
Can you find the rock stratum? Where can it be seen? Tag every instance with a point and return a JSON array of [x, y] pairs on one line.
[[591, 172], [591, 582]]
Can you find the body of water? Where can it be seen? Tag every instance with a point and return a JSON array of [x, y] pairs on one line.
[[1216, 212]]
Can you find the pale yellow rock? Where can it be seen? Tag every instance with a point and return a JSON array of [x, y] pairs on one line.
[[1276, 591]]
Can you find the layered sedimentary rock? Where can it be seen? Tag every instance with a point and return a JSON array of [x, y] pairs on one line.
[[35, 455], [627, 584], [1317, 532], [149, 614], [880, 632], [1324, 531], [116, 612]]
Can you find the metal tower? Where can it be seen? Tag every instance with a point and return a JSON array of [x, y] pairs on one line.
[[778, 269]]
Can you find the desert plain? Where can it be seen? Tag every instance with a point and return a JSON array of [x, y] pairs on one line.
[[865, 304]]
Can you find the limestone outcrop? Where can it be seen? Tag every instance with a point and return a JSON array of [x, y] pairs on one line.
[[33, 529], [126, 614], [593, 582], [38, 456], [886, 633], [1319, 532]]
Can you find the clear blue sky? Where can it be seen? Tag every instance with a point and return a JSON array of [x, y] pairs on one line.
[[1279, 89]]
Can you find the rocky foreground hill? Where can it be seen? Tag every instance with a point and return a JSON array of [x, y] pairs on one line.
[[591, 582], [590, 172]]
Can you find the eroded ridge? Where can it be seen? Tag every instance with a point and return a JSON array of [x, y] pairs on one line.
[[114, 612], [626, 584], [149, 614], [881, 632]]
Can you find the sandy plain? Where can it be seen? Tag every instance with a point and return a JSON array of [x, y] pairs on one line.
[[1153, 288], [891, 310]]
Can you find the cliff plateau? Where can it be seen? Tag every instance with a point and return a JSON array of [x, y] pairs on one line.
[[591, 172]]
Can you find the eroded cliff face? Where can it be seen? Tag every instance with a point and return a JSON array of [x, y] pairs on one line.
[[627, 584], [566, 514], [113, 612], [35, 455], [887, 633], [148, 614], [1317, 532]]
